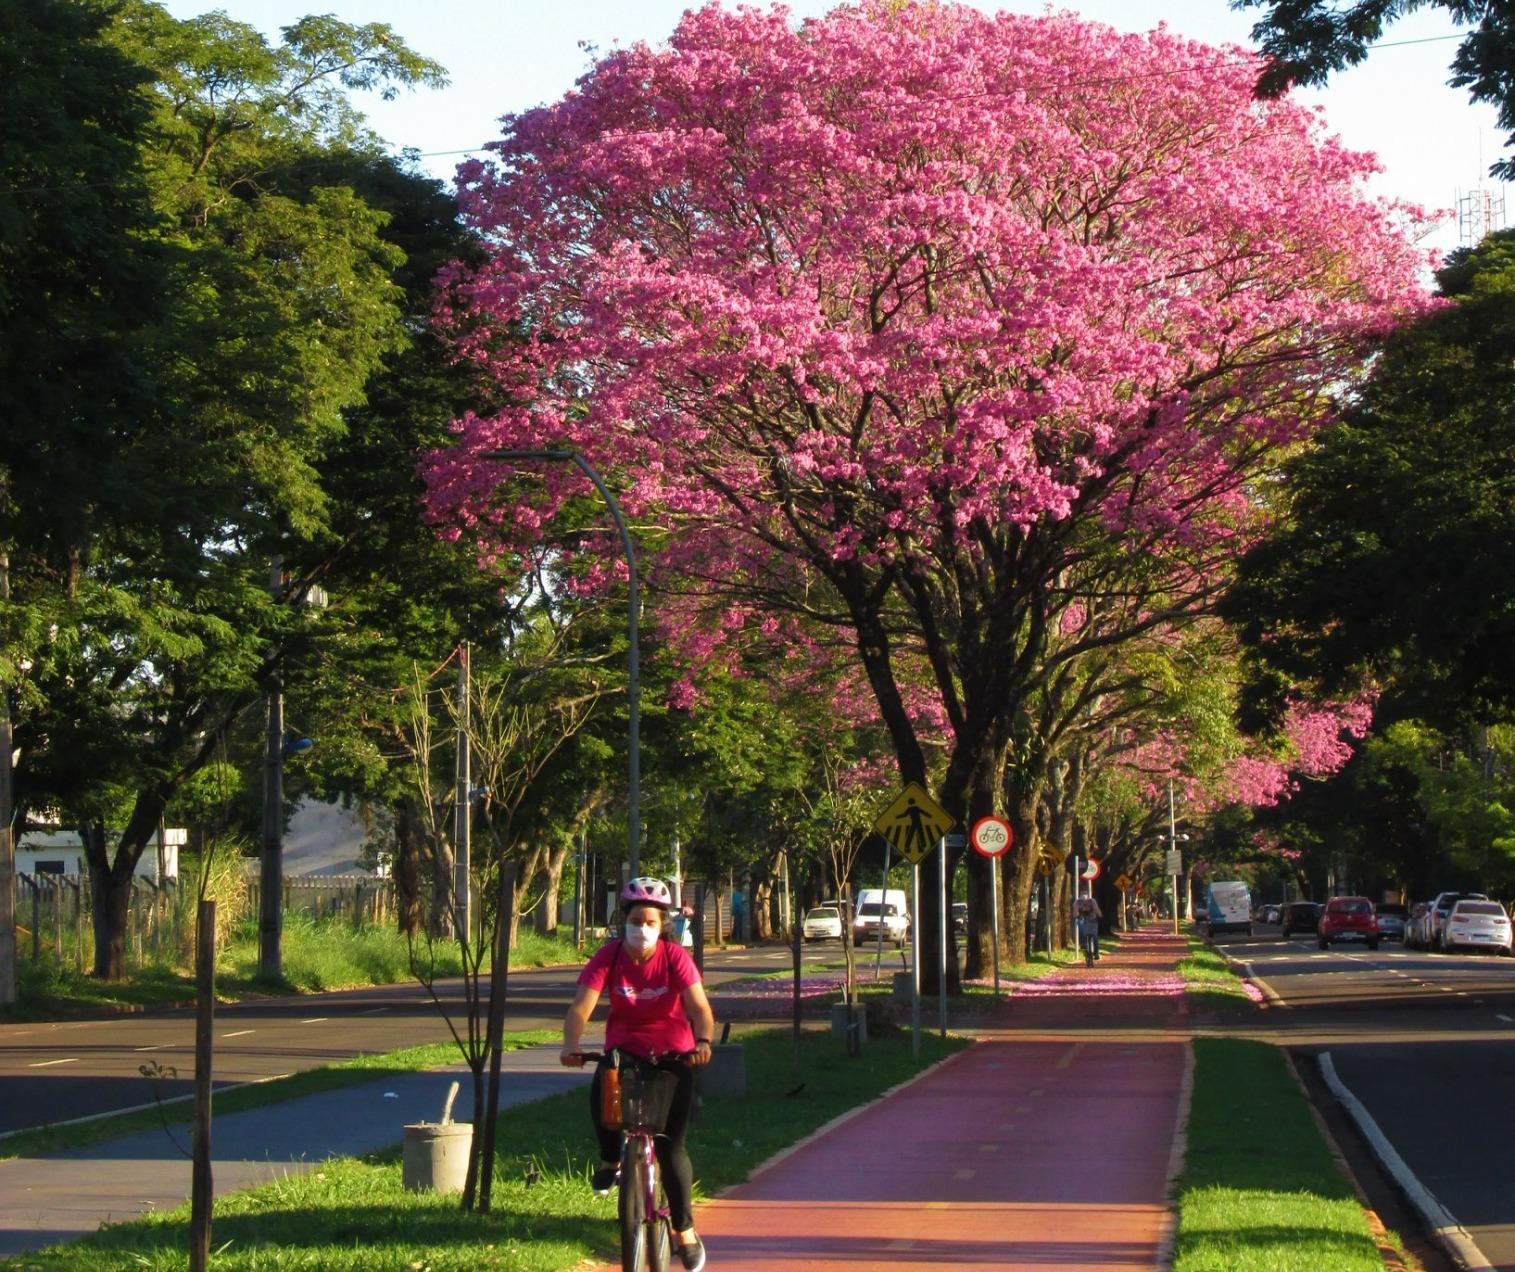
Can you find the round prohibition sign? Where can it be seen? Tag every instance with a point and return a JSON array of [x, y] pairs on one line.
[[991, 836]]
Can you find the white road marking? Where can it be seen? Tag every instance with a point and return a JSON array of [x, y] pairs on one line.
[[373, 1011], [237, 1034], [1506, 1019], [160, 1046], [314, 1020], [44, 1064]]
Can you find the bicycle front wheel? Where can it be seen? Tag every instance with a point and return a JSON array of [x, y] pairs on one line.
[[633, 1215]]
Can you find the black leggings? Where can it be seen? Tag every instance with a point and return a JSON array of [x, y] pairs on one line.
[[678, 1174]]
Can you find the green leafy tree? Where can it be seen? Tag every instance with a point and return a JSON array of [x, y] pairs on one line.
[[1307, 40], [1394, 557], [279, 304]]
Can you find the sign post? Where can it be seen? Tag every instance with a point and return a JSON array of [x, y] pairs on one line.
[[949, 842], [1175, 870], [914, 824], [991, 838], [915, 958]]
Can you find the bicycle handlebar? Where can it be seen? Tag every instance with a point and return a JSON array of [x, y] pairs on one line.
[[655, 1058]]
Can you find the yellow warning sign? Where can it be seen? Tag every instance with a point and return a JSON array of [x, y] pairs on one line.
[[1123, 882], [913, 823]]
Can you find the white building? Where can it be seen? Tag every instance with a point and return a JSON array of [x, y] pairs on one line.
[[56, 851]]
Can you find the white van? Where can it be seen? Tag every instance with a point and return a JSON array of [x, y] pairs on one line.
[[1228, 908], [881, 909]]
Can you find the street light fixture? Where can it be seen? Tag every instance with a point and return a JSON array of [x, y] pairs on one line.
[[634, 760]]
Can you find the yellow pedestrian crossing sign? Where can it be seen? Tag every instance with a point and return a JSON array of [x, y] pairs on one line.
[[913, 823], [1123, 882]]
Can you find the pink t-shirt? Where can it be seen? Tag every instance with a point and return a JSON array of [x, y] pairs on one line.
[[646, 999]]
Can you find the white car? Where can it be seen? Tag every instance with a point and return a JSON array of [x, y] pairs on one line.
[[866, 927], [823, 923], [1477, 925]]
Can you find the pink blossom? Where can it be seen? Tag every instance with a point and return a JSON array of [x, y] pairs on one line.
[[862, 310]]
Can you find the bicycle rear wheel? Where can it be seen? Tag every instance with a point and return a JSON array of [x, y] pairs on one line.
[[634, 1228]]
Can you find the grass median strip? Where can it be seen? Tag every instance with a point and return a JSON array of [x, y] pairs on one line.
[[353, 1214], [1260, 1190], [329, 1077], [1209, 980]]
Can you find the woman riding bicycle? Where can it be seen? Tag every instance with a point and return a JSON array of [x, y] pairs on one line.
[[1087, 916], [658, 1008]]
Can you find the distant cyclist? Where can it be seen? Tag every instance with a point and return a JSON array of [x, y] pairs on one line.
[[657, 1007], [1086, 917]]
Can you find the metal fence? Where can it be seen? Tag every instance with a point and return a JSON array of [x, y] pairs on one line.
[[53, 919], [53, 914], [358, 898]]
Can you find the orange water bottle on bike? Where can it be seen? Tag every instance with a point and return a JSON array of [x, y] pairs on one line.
[[610, 1096]]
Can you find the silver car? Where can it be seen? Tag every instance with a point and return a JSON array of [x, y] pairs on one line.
[[1392, 920], [1477, 925]]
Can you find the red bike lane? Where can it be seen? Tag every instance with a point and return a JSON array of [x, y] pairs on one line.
[[1048, 1143]]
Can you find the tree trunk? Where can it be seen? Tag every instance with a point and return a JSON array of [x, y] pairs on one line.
[[110, 905], [759, 906], [547, 920], [441, 887], [409, 837]]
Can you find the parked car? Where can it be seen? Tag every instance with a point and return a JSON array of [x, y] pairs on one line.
[[823, 923], [1418, 927], [1436, 920], [1299, 916], [1347, 919], [895, 925], [1393, 920], [960, 917], [1476, 925]]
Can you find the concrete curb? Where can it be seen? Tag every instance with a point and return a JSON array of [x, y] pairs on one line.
[[1168, 1241], [1441, 1223]]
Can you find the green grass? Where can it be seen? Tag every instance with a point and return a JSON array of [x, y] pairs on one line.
[[1209, 981], [353, 1215], [319, 955], [328, 1077], [1260, 1191]]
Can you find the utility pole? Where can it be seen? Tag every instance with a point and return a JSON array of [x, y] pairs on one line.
[[271, 872], [462, 824], [271, 875], [8, 988]]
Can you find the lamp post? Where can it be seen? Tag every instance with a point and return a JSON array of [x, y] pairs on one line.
[[633, 695], [1174, 867]]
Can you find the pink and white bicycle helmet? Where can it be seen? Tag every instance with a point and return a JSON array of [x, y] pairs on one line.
[[646, 891]]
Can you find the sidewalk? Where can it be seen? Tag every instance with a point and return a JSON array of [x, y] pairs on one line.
[[65, 1195], [1050, 1143]]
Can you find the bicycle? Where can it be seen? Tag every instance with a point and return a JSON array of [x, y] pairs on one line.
[[641, 1206], [1088, 941]]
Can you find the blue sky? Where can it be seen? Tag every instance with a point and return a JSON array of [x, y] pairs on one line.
[[507, 55]]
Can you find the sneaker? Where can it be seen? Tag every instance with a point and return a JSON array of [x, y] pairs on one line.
[[603, 1180], [693, 1255]]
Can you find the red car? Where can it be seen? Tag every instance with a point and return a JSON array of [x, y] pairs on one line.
[[1348, 919]]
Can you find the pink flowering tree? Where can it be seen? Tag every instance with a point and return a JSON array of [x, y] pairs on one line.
[[904, 318]]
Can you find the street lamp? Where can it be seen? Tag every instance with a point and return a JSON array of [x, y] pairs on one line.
[[634, 760]]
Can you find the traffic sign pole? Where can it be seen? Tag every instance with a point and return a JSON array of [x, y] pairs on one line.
[[915, 959], [994, 916], [941, 985], [991, 837]]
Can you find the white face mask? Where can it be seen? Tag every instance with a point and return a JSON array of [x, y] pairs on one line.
[[642, 937]]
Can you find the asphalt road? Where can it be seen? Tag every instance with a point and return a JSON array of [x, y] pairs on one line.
[[63, 1070], [1427, 1043]]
